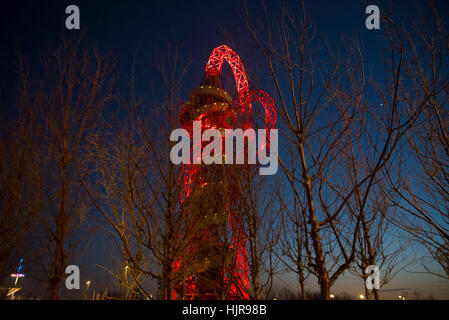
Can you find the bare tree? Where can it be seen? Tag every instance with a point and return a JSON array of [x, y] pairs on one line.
[[63, 108], [257, 208], [422, 182], [141, 186], [19, 203], [321, 95], [380, 243], [291, 245], [119, 178]]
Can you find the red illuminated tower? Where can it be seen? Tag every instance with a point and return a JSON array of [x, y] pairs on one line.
[[217, 250]]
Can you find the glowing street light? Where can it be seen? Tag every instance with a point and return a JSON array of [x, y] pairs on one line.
[[17, 276], [12, 291], [87, 289]]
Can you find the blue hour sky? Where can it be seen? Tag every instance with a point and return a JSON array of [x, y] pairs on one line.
[[198, 26]]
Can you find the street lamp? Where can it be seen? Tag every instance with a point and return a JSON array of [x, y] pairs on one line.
[[17, 276], [12, 291], [87, 289]]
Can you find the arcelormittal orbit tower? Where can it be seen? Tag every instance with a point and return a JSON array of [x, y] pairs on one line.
[[217, 250]]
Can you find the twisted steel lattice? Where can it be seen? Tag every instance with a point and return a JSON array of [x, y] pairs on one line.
[[190, 178], [242, 103]]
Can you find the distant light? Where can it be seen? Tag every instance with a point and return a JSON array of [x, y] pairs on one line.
[[17, 276], [400, 297], [332, 296], [362, 297], [12, 291]]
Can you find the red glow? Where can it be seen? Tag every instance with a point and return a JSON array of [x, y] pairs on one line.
[[189, 180], [215, 63]]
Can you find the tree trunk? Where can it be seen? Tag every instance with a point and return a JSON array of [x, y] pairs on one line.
[[319, 263], [301, 284]]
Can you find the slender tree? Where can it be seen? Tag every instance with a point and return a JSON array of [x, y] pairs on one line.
[[320, 96], [63, 109], [424, 194]]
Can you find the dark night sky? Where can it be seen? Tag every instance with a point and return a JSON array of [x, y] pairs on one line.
[[120, 26]]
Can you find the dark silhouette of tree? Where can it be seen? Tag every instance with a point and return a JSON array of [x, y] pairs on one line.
[[63, 108]]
